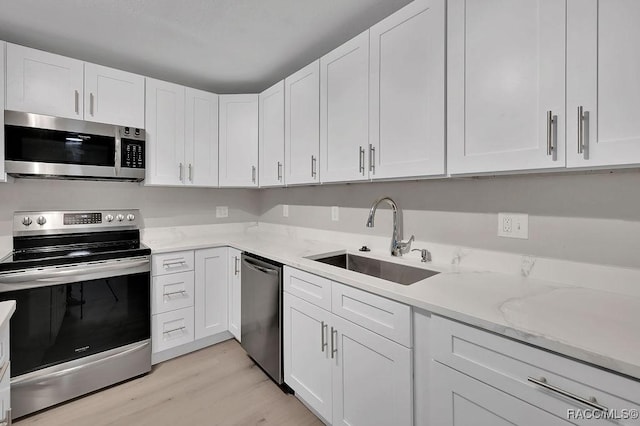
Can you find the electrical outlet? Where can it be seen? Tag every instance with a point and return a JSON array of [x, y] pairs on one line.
[[513, 225], [222, 211], [335, 213], [285, 210]]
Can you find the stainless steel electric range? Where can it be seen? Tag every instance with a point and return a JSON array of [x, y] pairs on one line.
[[81, 282]]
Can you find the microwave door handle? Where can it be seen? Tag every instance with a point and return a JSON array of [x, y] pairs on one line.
[[118, 154]]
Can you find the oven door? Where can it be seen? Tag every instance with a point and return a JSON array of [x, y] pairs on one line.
[[73, 311]]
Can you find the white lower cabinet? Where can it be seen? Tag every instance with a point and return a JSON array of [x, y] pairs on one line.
[[211, 292], [234, 293], [347, 374], [171, 329]]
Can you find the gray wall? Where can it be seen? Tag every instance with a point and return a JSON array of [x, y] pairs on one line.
[[582, 217], [159, 206]]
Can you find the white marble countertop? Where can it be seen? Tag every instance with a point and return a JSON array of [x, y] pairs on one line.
[[590, 324]]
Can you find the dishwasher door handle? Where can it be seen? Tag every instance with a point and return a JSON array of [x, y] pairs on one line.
[[259, 268]]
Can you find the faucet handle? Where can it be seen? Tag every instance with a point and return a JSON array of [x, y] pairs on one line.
[[405, 246], [425, 254]]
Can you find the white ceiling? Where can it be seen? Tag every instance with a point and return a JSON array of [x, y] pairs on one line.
[[226, 46]]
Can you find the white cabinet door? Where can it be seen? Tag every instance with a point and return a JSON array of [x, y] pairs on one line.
[[238, 140], [235, 292], [344, 111], [165, 104], [201, 138], [457, 399], [407, 92], [3, 46], [271, 135], [44, 83], [112, 96], [306, 356], [211, 284], [372, 378], [603, 65], [505, 75], [302, 125]]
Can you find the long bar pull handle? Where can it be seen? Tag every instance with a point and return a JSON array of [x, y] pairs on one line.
[[551, 121], [253, 174], [323, 341], [236, 265], [313, 166], [173, 293], [361, 159], [591, 402], [180, 167], [77, 100], [173, 330], [168, 265], [581, 118], [334, 348], [279, 171], [91, 104], [372, 158], [190, 173], [7, 418]]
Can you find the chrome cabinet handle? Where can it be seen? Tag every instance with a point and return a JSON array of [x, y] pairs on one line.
[[591, 402], [236, 265], [279, 171], [253, 174], [169, 265], [190, 172], [551, 121], [91, 103], [180, 167], [372, 158], [173, 330], [313, 166], [361, 159], [334, 348], [4, 369], [582, 123], [173, 293], [7, 418], [77, 100], [323, 328]]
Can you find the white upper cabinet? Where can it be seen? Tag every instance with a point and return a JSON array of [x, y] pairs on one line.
[[44, 83], [3, 45], [201, 138], [506, 85], [238, 140], [271, 134], [603, 81], [407, 92], [165, 113], [344, 111], [113, 96], [302, 125]]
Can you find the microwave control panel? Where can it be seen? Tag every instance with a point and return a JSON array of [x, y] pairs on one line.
[[132, 146]]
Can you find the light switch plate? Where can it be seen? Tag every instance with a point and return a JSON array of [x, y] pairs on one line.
[[222, 211], [335, 213], [285, 210], [513, 225]]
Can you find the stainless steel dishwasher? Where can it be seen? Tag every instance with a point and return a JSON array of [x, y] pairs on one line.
[[261, 323]]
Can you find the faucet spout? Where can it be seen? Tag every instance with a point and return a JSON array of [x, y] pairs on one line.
[[398, 248]]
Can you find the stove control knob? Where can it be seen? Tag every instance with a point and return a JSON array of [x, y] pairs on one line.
[[120, 217], [41, 220], [26, 221], [109, 218], [130, 217]]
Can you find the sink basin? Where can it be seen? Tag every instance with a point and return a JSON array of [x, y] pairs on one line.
[[389, 271]]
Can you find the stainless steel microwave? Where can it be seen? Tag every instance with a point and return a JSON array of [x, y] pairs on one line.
[[44, 146]]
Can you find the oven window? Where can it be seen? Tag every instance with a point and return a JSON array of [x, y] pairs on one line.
[[54, 146], [60, 323]]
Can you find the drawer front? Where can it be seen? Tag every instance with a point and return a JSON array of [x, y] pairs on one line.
[[172, 291], [169, 263], [383, 316], [4, 347], [515, 367], [309, 287], [5, 404], [171, 329]]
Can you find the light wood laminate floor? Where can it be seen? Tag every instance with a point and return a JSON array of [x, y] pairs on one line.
[[218, 385]]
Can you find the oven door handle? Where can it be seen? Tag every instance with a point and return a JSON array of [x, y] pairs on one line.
[[61, 275]]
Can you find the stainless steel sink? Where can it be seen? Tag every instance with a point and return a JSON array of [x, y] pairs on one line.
[[395, 272]]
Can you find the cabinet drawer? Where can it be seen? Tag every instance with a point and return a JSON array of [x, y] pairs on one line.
[[172, 291], [169, 263], [5, 404], [171, 329], [4, 347], [383, 316], [512, 366], [309, 287]]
